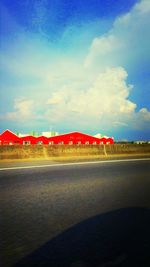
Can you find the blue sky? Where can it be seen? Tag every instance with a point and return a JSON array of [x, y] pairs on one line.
[[76, 65]]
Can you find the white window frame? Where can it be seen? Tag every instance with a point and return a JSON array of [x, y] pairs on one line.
[[79, 143], [87, 143], [26, 143], [40, 143], [51, 143], [70, 143], [61, 143]]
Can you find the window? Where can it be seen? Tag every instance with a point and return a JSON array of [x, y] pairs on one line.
[[94, 143], [26, 142], [87, 143], [70, 143], [51, 143], [39, 143], [10, 143], [79, 143], [107, 143], [101, 143], [61, 143]]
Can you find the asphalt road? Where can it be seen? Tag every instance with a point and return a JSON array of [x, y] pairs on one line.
[[87, 215]]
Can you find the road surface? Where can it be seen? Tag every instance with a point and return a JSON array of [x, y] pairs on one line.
[[76, 215]]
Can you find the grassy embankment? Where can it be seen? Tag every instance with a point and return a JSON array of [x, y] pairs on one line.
[[69, 152]]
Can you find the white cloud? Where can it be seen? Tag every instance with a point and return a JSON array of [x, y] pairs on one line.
[[106, 98], [126, 44], [140, 120], [143, 6], [145, 113], [119, 124], [104, 104], [101, 47], [55, 99], [23, 109]]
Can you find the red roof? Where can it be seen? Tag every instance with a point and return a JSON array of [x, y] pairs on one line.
[[74, 137], [9, 137]]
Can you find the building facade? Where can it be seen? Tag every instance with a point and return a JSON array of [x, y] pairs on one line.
[[73, 138]]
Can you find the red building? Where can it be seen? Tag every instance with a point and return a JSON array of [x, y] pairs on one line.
[[28, 140], [9, 138], [74, 138], [42, 140]]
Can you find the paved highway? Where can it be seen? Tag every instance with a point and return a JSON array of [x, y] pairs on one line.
[[76, 215]]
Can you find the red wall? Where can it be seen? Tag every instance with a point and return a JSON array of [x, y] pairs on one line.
[[30, 138], [42, 139]]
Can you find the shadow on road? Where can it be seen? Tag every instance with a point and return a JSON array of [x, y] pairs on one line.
[[118, 238]]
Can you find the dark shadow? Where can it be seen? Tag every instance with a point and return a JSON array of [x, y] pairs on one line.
[[118, 238]]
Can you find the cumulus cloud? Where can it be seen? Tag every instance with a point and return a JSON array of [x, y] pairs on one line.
[[55, 99], [104, 103], [145, 113], [23, 110], [143, 6], [101, 47], [107, 97], [127, 42], [143, 119]]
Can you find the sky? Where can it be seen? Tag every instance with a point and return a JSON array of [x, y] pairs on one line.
[[80, 65]]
